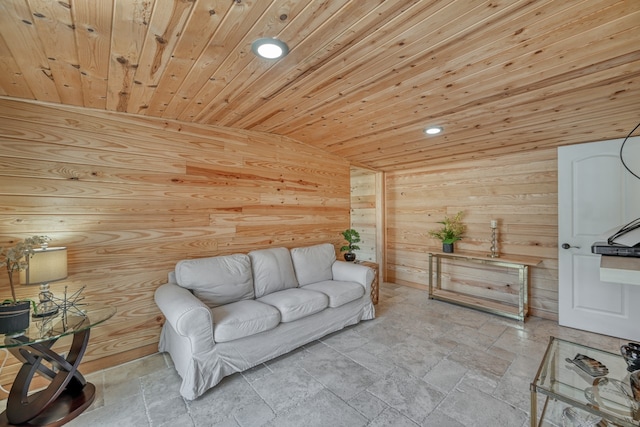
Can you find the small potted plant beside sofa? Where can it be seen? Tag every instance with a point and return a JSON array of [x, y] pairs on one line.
[[352, 237]]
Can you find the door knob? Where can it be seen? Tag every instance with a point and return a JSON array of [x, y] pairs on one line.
[[568, 246]]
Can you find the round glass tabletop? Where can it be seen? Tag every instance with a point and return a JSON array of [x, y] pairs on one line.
[[59, 325]]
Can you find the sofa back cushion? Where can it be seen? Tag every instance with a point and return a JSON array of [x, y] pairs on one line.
[[217, 280], [312, 264], [272, 271]]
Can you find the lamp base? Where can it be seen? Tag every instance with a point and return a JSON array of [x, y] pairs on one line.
[[46, 307]]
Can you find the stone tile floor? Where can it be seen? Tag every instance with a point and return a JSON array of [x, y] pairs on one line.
[[419, 363]]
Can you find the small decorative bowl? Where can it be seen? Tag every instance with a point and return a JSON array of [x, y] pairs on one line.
[[631, 355]]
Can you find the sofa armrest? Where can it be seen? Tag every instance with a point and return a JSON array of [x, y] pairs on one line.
[[349, 272], [187, 315]]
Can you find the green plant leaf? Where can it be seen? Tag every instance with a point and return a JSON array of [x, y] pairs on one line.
[[452, 229], [352, 236]]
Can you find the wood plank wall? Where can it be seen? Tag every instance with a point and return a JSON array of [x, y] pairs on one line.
[[519, 190], [130, 196], [363, 211]]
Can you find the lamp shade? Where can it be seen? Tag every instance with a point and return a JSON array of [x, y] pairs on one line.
[[45, 265]]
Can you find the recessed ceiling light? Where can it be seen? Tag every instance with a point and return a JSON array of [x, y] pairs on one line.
[[269, 48], [433, 130]]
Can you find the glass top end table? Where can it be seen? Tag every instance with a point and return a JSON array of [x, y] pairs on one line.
[[607, 394], [68, 393]]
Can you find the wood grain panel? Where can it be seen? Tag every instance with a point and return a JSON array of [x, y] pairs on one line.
[[363, 211], [290, 20], [464, 84], [408, 41], [204, 19], [55, 28], [129, 29], [202, 79], [21, 38], [130, 196], [93, 26], [165, 27], [13, 84], [518, 190], [68, 154]]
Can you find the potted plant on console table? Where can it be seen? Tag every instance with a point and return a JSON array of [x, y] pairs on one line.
[[353, 237], [14, 314], [451, 231]]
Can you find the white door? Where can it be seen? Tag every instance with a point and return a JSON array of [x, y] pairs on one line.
[[595, 194]]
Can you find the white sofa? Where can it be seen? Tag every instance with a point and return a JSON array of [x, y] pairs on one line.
[[227, 314]]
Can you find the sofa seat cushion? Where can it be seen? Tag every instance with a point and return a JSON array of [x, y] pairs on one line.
[[338, 292], [272, 271], [296, 303], [217, 280], [312, 264], [243, 318]]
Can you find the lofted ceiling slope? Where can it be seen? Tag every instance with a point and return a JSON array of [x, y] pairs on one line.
[[362, 79]]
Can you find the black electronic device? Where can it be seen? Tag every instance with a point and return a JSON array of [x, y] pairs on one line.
[[603, 248], [625, 241]]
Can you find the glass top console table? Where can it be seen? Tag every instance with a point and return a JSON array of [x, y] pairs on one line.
[[68, 393], [518, 311], [608, 397]]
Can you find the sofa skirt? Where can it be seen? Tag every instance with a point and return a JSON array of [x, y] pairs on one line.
[[202, 371]]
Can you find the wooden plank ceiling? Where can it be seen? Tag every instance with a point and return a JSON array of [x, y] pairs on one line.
[[362, 79]]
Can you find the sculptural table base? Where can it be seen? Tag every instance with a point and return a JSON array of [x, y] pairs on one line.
[[67, 395]]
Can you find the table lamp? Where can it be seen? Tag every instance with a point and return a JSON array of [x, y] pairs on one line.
[[45, 265]]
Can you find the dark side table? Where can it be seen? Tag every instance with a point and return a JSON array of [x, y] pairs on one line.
[[68, 393]]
